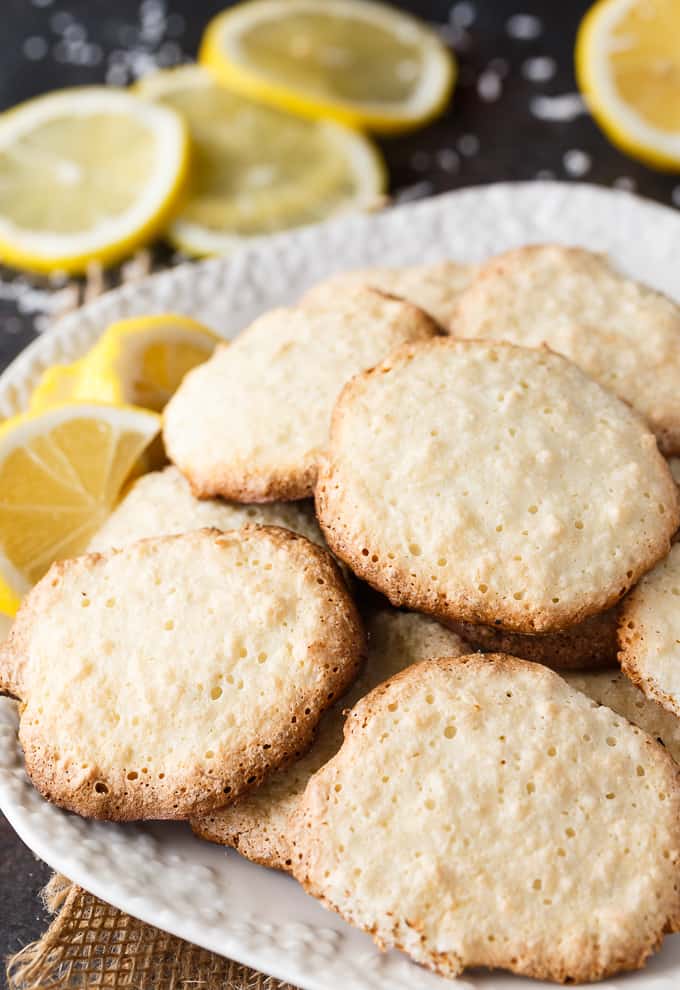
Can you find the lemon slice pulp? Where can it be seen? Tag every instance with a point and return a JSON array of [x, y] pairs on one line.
[[60, 474], [257, 170], [86, 174], [628, 68], [361, 63]]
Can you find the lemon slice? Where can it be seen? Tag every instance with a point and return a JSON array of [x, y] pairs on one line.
[[86, 174], [141, 361], [137, 362], [60, 474], [360, 63], [257, 170], [628, 68]]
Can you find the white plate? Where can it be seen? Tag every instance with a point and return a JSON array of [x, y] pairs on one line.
[[160, 872]]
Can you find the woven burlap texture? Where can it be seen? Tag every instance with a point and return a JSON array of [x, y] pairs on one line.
[[91, 945]]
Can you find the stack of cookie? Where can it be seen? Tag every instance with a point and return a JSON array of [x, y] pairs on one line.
[[487, 452]]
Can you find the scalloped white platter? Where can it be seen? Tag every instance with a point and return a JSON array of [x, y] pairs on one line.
[[160, 872]]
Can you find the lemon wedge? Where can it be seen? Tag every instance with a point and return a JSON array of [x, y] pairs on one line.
[[61, 472], [628, 69], [257, 170], [360, 63], [86, 174]]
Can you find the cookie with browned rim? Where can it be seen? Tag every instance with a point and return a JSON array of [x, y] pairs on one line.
[[250, 424], [591, 643], [495, 484], [532, 830], [164, 679], [622, 333], [649, 633]]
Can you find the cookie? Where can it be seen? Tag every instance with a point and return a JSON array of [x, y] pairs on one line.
[[250, 423], [613, 689], [649, 633], [525, 827], [257, 824], [161, 503], [622, 333], [591, 643], [493, 484], [162, 680], [434, 288]]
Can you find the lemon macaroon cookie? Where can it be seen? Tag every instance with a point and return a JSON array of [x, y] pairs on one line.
[[620, 332], [534, 830], [257, 824], [161, 503], [649, 633], [613, 689], [590, 643], [164, 679], [250, 424], [493, 484], [434, 287]]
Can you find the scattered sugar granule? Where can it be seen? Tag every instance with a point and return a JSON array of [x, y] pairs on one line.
[[576, 162], [524, 27]]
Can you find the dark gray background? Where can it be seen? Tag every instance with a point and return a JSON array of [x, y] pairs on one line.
[[490, 133]]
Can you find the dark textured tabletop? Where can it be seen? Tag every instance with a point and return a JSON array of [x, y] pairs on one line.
[[515, 115]]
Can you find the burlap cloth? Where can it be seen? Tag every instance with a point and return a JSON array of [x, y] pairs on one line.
[[92, 945]]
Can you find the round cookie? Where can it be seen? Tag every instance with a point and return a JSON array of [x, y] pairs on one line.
[[649, 633], [591, 643], [622, 333], [434, 288], [613, 689], [257, 824], [250, 423], [161, 504], [164, 679], [526, 828], [493, 484]]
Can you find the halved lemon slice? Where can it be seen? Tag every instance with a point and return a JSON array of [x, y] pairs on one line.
[[256, 170], [141, 361], [361, 63], [138, 362], [628, 69], [60, 474], [86, 174]]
